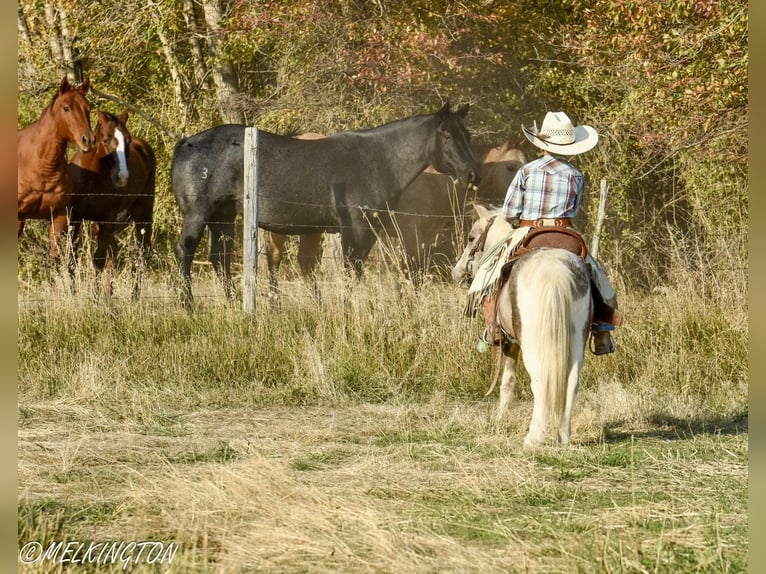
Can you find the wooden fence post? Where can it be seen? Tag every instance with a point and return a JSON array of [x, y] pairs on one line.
[[250, 217], [599, 219]]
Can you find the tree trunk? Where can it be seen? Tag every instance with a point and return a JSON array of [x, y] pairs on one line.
[[26, 38], [170, 59], [224, 75], [54, 37], [175, 75], [198, 56], [71, 59]]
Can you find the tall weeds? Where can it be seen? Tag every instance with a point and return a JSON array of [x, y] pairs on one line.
[[681, 352]]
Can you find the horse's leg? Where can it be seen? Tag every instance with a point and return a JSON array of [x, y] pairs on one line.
[[106, 253], [142, 233], [191, 234], [75, 227], [357, 242], [275, 245], [309, 258], [106, 245], [221, 243], [538, 424], [508, 380], [57, 233], [573, 381]]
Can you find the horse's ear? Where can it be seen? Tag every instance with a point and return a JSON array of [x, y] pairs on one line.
[[482, 211], [124, 117], [444, 111], [462, 110], [101, 116], [64, 85], [85, 86]]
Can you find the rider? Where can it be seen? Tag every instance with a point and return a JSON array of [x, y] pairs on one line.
[[545, 192]]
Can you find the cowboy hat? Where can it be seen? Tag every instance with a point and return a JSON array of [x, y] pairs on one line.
[[557, 135]]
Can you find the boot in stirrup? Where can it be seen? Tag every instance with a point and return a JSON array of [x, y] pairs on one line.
[[601, 338]]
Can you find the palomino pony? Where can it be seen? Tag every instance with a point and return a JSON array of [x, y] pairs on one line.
[[334, 184], [113, 186], [421, 227], [45, 187], [544, 309]]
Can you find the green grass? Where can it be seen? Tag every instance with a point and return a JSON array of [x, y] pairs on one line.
[[352, 435]]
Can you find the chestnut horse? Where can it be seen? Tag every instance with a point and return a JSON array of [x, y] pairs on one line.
[[114, 186], [45, 187]]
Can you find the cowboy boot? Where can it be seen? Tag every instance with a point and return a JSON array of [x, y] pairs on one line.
[[491, 334], [601, 335]]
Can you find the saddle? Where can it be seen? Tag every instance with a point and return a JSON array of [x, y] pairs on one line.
[[552, 237], [568, 239]]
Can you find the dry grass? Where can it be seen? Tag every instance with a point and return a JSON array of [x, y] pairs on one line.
[[351, 435]]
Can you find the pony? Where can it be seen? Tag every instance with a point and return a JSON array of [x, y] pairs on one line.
[[114, 185], [544, 309], [44, 183], [421, 226], [336, 184]]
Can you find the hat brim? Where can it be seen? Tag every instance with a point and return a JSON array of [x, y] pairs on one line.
[[585, 139]]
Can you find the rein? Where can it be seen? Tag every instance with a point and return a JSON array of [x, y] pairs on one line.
[[482, 240]]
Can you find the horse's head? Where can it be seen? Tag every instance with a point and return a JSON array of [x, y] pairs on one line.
[[451, 151], [498, 167], [72, 112], [113, 139], [485, 232]]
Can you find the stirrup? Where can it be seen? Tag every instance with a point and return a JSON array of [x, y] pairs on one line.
[[601, 342]]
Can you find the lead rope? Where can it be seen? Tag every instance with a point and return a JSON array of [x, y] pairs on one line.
[[498, 363]]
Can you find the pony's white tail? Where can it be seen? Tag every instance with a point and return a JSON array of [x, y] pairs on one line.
[[546, 305]]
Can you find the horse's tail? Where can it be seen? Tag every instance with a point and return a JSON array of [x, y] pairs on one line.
[[546, 329]]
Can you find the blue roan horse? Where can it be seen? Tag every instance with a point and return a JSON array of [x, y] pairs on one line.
[[545, 310], [335, 184]]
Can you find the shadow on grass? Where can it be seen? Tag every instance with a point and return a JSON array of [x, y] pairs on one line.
[[667, 427]]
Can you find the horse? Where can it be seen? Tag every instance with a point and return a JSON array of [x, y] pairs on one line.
[[544, 309], [44, 183], [421, 227], [428, 220], [336, 184], [309, 246], [113, 186]]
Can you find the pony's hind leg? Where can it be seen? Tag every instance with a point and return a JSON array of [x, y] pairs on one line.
[[573, 383], [508, 380], [538, 426]]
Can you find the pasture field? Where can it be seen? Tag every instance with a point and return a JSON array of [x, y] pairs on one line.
[[352, 435]]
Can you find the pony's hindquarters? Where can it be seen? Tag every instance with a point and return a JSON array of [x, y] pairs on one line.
[[550, 291]]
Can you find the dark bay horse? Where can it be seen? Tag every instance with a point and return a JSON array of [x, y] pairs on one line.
[[335, 184], [545, 309], [113, 186], [421, 227], [44, 184]]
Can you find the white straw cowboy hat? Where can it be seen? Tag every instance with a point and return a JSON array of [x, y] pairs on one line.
[[557, 135]]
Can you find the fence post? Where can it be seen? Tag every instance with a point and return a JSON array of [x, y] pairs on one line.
[[250, 220], [599, 219]]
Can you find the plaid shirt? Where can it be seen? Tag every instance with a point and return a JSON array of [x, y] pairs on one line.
[[546, 187]]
